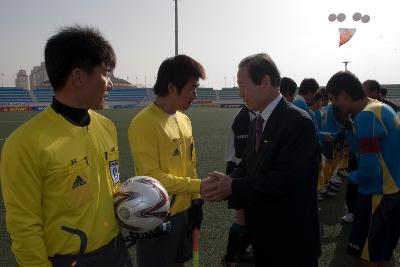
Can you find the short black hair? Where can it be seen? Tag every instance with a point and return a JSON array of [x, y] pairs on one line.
[[260, 65], [318, 95], [177, 70], [288, 86], [347, 82], [308, 85], [76, 47], [324, 93], [372, 86], [383, 91]]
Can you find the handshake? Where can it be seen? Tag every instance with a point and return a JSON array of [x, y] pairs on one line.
[[216, 187]]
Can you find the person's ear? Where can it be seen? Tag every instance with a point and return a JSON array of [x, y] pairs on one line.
[[343, 96], [266, 80], [171, 88], [346, 96], [76, 77]]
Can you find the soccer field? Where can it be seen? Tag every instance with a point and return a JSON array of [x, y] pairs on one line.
[[210, 129]]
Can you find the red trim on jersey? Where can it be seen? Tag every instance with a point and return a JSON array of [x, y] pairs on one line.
[[369, 145]]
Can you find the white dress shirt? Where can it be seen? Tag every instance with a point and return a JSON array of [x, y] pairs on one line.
[[266, 113]]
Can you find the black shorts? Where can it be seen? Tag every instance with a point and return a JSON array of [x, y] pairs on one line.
[[114, 253], [373, 238], [166, 250]]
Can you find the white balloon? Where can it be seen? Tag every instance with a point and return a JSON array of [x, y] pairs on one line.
[[357, 16], [365, 19], [341, 17], [332, 17]]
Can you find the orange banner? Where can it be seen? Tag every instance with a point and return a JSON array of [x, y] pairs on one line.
[[345, 35]]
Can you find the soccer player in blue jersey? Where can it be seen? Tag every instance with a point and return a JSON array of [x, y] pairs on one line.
[[323, 137], [307, 90], [375, 139], [288, 89], [315, 108], [325, 99], [316, 116], [329, 124]]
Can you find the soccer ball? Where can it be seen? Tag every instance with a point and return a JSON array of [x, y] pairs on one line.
[[141, 204]]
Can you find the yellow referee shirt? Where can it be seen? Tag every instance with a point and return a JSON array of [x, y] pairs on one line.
[[162, 147], [58, 178]]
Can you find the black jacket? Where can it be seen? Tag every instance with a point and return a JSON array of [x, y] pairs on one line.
[[240, 128], [277, 187]]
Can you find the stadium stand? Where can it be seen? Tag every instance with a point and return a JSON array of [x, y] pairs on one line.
[[43, 94], [150, 94], [135, 95], [120, 94], [393, 90], [229, 94], [14, 95], [206, 94], [124, 94], [393, 93]]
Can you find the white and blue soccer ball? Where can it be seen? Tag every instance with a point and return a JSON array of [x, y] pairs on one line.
[[141, 204]]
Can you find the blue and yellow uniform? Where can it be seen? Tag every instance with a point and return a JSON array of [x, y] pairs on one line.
[[57, 182], [318, 118], [320, 135], [301, 103], [377, 133], [329, 123], [376, 142]]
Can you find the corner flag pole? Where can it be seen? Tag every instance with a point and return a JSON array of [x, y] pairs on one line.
[[195, 245]]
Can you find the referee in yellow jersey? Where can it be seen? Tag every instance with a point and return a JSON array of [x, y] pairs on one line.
[[161, 142], [59, 169]]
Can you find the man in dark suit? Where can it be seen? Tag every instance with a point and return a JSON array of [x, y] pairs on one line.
[[276, 183]]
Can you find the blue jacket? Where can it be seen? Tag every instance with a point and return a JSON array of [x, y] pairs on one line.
[[375, 140]]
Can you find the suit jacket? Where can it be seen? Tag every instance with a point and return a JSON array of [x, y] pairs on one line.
[[277, 186]]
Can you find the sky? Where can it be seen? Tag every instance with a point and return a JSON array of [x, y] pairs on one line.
[[217, 33]]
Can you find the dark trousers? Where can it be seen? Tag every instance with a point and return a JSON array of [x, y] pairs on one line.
[[277, 259], [351, 193], [279, 248], [113, 254], [238, 241], [351, 197]]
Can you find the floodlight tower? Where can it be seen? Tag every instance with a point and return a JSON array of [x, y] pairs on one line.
[[345, 64], [176, 27], [2, 79]]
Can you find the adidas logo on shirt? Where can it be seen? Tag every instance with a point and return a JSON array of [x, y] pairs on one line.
[[78, 182], [176, 152]]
